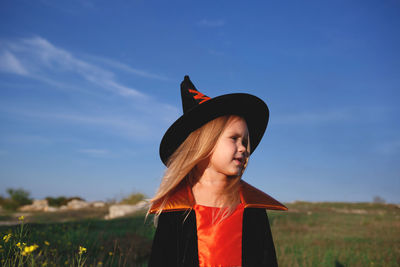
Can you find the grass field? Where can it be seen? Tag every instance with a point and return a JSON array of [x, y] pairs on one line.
[[310, 234], [337, 234]]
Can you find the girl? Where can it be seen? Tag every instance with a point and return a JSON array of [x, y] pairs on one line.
[[207, 215]]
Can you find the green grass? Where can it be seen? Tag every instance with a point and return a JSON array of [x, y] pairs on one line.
[[337, 234], [310, 234], [118, 242]]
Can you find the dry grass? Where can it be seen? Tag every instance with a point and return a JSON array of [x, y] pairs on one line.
[[337, 234], [309, 234]]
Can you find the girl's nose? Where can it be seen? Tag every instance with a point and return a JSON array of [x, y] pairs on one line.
[[241, 148]]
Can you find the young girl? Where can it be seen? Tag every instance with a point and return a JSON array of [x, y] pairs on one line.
[[207, 215]]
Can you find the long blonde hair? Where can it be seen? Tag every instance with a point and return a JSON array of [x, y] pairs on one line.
[[198, 146]]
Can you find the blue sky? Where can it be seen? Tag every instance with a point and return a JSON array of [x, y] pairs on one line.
[[88, 88]]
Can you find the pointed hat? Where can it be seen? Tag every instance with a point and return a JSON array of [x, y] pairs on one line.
[[198, 109]]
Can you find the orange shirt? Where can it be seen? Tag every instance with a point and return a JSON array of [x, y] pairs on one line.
[[219, 244]]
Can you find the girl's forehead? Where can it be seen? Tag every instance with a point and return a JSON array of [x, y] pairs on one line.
[[236, 123]]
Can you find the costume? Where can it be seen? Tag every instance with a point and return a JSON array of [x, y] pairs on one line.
[[175, 241]]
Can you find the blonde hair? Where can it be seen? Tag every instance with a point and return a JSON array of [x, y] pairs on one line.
[[198, 146]]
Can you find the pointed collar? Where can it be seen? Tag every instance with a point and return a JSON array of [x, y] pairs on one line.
[[251, 197]]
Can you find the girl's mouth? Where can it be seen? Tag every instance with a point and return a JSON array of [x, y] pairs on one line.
[[238, 161]]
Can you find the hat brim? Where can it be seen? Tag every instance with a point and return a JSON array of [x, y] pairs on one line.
[[251, 108]]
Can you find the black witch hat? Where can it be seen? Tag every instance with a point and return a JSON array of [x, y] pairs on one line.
[[198, 109]]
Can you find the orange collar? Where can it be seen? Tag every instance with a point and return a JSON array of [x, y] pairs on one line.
[[250, 196]]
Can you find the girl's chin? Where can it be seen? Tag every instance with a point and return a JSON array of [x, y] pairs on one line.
[[235, 173]]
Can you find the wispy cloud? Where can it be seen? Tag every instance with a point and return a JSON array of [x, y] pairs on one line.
[[215, 52], [120, 125], [314, 117], [211, 23], [94, 152], [389, 148], [124, 67], [354, 114], [9, 63], [131, 112], [23, 139], [71, 7], [39, 59]]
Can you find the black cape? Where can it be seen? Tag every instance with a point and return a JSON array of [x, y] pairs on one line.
[[175, 241]]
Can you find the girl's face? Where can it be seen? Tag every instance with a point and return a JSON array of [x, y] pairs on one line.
[[230, 152]]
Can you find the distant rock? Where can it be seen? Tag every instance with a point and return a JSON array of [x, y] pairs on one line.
[[52, 209], [98, 204], [37, 205], [120, 210], [76, 204]]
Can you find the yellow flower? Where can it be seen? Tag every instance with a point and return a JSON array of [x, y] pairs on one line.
[[29, 249], [7, 237], [99, 263], [66, 263], [47, 243], [21, 218], [18, 244], [81, 250], [110, 253]]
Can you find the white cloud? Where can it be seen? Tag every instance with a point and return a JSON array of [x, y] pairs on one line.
[[389, 148], [9, 63], [314, 117], [211, 23], [70, 7], [42, 60], [356, 114], [94, 152], [128, 127], [129, 69], [131, 113], [23, 139], [215, 52]]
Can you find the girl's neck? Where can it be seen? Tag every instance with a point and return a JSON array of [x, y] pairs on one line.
[[209, 190]]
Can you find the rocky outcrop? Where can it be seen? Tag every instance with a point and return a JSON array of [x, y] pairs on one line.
[[98, 204], [43, 205], [120, 210], [37, 205], [76, 204]]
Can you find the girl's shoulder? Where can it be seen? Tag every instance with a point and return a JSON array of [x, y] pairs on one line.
[[182, 199]]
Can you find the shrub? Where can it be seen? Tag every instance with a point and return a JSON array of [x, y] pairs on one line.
[[61, 201], [57, 201], [133, 198], [17, 198], [72, 198], [378, 199]]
